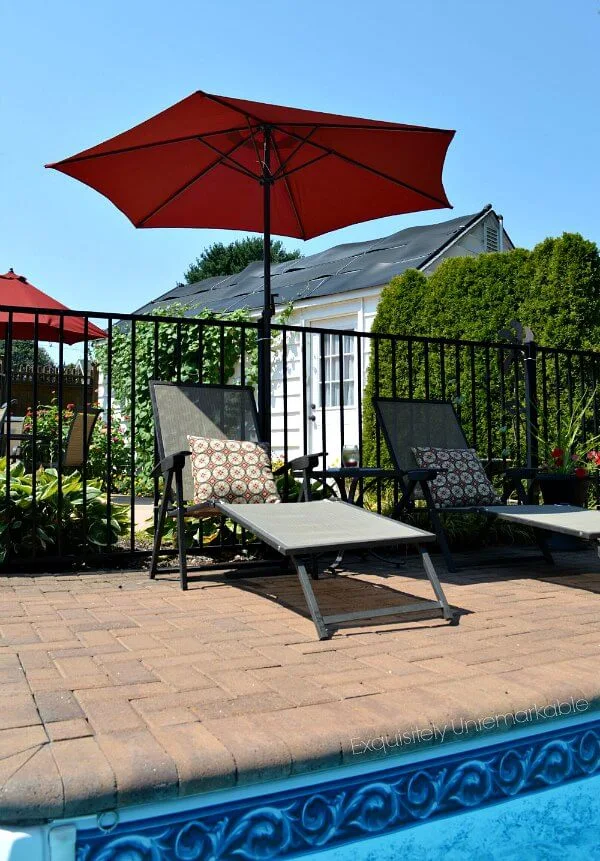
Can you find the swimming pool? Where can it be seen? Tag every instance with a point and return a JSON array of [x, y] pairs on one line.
[[532, 793]]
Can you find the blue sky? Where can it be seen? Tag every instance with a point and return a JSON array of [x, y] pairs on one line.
[[517, 80]]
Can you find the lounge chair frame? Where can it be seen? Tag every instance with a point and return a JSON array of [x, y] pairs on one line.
[[190, 417], [440, 428], [330, 525]]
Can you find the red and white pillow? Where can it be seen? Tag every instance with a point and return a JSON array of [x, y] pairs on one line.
[[228, 470], [463, 481]]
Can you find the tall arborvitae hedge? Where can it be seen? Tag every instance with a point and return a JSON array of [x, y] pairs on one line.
[[554, 289]]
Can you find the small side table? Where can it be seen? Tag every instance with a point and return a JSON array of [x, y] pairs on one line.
[[355, 475]]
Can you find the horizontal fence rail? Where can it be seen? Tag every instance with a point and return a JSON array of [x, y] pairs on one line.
[[66, 503]]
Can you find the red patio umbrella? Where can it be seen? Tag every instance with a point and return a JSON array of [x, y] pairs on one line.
[[15, 290], [212, 161]]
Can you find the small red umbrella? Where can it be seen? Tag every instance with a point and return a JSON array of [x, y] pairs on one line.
[[214, 161], [15, 290]]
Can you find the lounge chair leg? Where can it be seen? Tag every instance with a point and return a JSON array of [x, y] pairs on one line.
[[442, 541], [181, 531], [311, 600], [162, 513], [432, 576], [438, 528], [542, 543]]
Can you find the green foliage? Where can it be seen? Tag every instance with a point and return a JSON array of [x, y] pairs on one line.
[[22, 531], [22, 354], [194, 351], [570, 453], [562, 302], [219, 259], [554, 289], [120, 457]]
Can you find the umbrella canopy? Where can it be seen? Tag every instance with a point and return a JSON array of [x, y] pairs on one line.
[[200, 163], [212, 161], [15, 290]]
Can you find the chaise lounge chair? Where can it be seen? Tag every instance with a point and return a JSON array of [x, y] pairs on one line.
[[416, 431], [79, 438], [296, 531], [209, 411]]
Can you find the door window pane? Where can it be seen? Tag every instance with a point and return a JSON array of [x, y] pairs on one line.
[[332, 361]]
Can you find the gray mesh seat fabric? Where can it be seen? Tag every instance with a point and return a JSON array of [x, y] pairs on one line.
[[302, 531], [411, 423], [418, 423], [222, 412]]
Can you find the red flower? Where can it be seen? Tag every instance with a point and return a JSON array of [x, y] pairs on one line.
[[70, 406], [581, 472], [597, 459], [558, 461], [557, 452]]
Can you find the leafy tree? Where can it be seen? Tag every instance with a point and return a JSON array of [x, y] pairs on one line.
[[219, 259], [22, 354], [554, 289]]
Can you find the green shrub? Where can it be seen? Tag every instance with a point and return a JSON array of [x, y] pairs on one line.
[[554, 289], [22, 533]]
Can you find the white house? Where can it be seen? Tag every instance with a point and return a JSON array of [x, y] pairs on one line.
[[335, 289]]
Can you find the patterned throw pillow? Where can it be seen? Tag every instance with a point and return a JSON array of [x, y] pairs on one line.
[[464, 481], [227, 470]]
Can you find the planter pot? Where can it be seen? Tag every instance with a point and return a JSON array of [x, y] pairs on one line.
[[564, 490]]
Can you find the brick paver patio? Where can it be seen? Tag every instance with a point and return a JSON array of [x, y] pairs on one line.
[[118, 690]]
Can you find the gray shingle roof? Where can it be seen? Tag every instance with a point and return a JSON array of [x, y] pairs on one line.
[[341, 269]]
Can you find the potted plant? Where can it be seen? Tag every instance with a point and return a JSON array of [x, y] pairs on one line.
[[571, 461]]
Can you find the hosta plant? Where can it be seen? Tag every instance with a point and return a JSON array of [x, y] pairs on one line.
[[26, 528]]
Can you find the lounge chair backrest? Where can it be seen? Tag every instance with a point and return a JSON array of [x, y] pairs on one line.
[[408, 423], [16, 427], [3, 411], [221, 412], [79, 437]]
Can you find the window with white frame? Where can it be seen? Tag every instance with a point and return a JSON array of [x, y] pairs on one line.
[[338, 368]]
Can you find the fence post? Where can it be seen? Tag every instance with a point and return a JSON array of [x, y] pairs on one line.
[[531, 408]]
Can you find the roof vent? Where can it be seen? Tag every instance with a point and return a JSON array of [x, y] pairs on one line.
[[491, 238]]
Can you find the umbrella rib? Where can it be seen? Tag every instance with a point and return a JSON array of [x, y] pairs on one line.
[[184, 138], [226, 157], [151, 145], [373, 170], [301, 143], [373, 124], [254, 144], [186, 185], [305, 164], [289, 192]]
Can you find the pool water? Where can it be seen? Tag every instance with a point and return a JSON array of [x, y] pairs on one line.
[[553, 825]]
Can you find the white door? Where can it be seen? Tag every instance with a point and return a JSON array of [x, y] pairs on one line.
[[332, 397]]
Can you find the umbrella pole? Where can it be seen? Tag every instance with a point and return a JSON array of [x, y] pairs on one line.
[[264, 332]]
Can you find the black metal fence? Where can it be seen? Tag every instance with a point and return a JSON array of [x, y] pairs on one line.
[[511, 399]]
